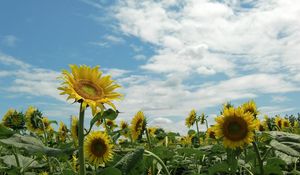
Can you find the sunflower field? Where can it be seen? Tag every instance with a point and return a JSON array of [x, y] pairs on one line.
[[238, 142]]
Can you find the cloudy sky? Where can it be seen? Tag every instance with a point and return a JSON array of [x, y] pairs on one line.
[[170, 56]]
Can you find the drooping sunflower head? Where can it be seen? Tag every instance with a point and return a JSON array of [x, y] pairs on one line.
[[210, 133], [87, 85], [62, 131], [14, 119], [279, 122], [235, 127], [35, 122], [74, 129], [98, 148], [250, 106], [286, 123], [123, 125], [202, 119], [191, 118], [138, 125]]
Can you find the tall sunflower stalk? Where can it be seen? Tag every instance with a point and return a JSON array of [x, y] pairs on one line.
[[88, 87]]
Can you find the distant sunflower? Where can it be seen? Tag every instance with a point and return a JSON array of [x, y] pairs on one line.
[[62, 131], [87, 85], [279, 122], [151, 131], [124, 128], [110, 124], [74, 129], [35, 122], [286, 123], [235, 127], [14, 119], [210, 133], [138, 125], [191, 118], [98, 148], [262, 125], [250, 106]]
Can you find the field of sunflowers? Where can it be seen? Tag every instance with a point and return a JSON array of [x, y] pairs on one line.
[[238, 143]]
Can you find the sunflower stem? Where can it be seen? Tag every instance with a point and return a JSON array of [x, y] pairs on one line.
[[148, 138], [80, 141], [260, 161], [198, 133]]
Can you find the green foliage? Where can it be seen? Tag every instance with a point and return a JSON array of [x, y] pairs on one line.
[[130, 161]]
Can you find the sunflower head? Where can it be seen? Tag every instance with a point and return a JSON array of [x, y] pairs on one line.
[[74, 129], [62, 131], [138, 125], [279, 122], [191, 118], [286, 123], [210, 133], [226, 105], [250, 107], [88, 86], [98, 148], [110, 124], [13, 119], [261, 125], [202, 119], [124, 128], [35, 122], [151, 131], [235, 127]]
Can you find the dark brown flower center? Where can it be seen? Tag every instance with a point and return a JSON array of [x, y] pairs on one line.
[[212, 135], [98, 147], [235, 128]]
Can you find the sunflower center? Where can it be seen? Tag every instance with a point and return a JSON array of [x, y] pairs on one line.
[[98, 147], [138, 125], [89, 90], [212, 135], [235, 128]]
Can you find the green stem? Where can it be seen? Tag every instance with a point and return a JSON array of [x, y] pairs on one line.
[[198, 133], [148, 138], [17, 158], [80, 141], [160, 161], [206, 124], [260, 161]]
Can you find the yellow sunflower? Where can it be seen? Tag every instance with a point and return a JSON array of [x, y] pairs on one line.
[[286, 123], [35, 122], [138, 125], [262, 126], [110, 124], [210, 133], [62, 131], [191, 119], [250, 106], [124, 128], [151, 131], [87, 85], [13, 119], [235, 127], [74, 129], [98, 148], [279, 122]]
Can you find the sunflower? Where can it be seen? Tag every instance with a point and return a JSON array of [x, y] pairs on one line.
[[138, 125], [98, 148], [279, 122], [286, 123], [14, 119], [151, 131], [124, 128], [191, 119], [210, 133], [88, 86], [35, 122], [62, 131], [110, 124], [202, 120], [250, 106], [296, 124], [261, 126], [235, 127], [74, 129]]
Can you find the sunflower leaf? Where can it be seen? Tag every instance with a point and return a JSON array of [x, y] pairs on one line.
[[110, 114], [284, 148], [111, 171], [5, 132], [130, 160]]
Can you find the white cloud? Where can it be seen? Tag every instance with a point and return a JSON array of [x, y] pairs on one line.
[[11, 61], [279, 98], [114, 39], [140, 57], [9, 40]]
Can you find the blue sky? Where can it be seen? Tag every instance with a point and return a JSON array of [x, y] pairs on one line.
[[170, 56]]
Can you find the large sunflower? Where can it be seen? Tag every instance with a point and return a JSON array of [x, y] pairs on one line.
[[250, 106], [235, 127], [14, 119], [138, 125], [98, 148], [87, 85], [191, 118], [74, 129]]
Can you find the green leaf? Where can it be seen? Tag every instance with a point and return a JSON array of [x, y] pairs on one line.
[[110, 114], [218, 168], [111, 171], [10, 160], [273, 166], [33, 145], [284, 148], [285, 137], [130, 160], [5, 132]]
